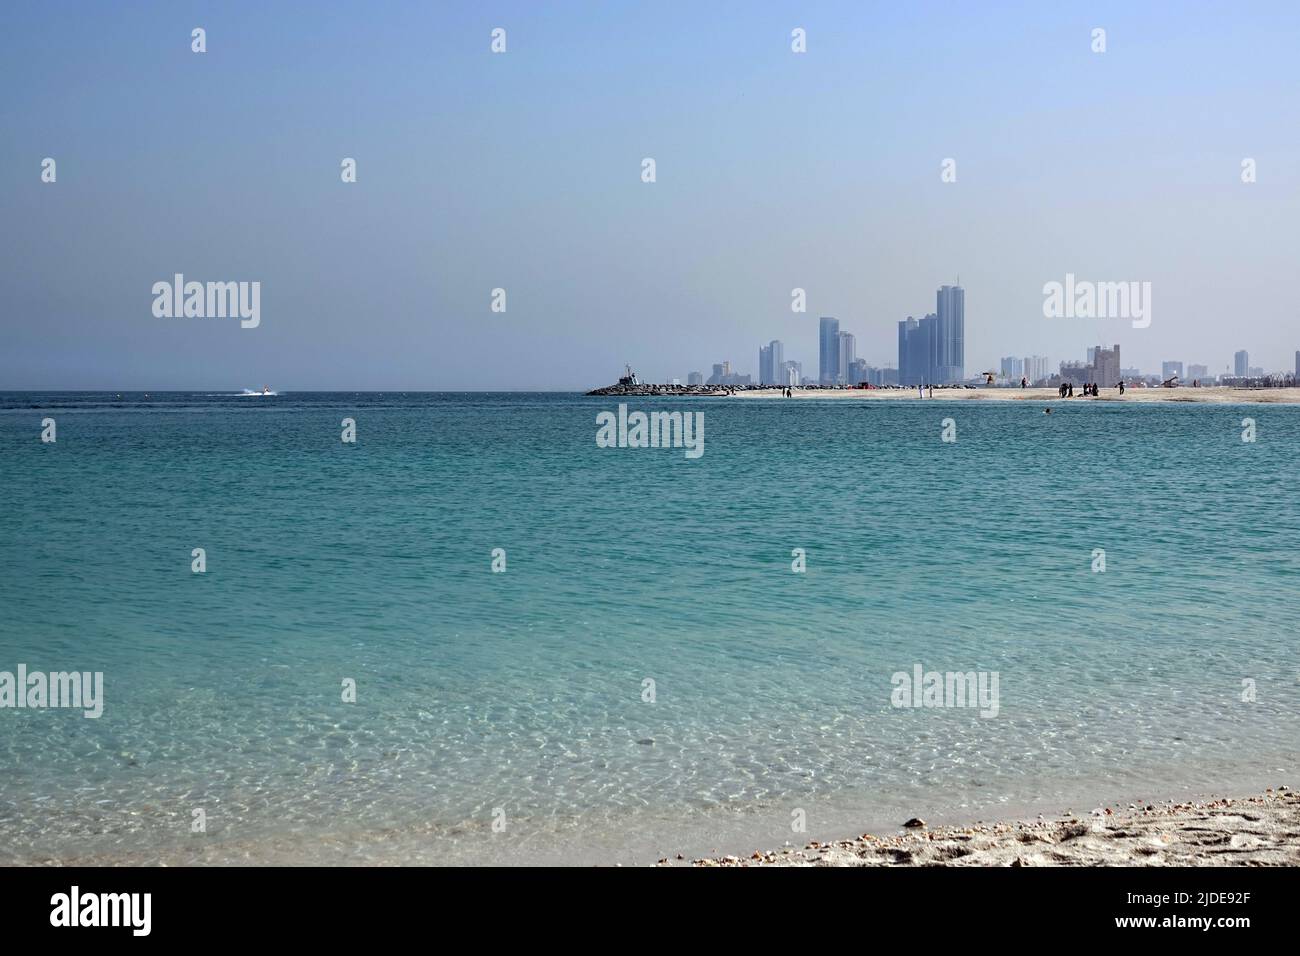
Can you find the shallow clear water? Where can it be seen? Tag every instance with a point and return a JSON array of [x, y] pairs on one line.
[[523, 690]]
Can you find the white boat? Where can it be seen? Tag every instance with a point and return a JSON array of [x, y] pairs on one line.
[[266, 391]]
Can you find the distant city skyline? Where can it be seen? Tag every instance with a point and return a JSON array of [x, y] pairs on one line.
[[931, 351], [822, 171]]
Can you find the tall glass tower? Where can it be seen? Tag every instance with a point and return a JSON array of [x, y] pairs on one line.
[[950, 335], [847, 348], [828, 352]]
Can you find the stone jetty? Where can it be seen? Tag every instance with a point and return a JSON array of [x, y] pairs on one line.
[[663, 391], [695, 391]]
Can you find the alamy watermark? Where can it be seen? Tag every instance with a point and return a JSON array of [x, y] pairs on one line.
[[923, 688], [1084, 299], [655, 430], [76, 908], [73, 689], [208, 300]]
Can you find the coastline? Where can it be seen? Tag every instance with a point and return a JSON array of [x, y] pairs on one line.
[[1253, 827], [1259, 830], [1211, 394]]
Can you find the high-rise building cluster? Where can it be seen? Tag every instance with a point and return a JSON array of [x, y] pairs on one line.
[[932, 351], [1239, 373], [936, 355], [773, 369], [1032, 368], [838, 363], [723, 375], [1102, 368]]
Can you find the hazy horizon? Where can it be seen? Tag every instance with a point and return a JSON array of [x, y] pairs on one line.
[[522, 170]]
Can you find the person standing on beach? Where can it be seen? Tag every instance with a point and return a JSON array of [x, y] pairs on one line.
[[1121, 386], [1023, 382], [931, 387]]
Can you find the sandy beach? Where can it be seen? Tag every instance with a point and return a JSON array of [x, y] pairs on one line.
[[1213, 395], [1260, 830]]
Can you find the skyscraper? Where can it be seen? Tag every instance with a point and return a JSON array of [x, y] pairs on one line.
[[846, 358], [949, 363], [1240, 364], [770, 359], [916, 350], [1013, 368], [905, 330], [828, 351]]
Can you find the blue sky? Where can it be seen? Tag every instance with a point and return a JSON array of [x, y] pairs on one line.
[[522, 171]]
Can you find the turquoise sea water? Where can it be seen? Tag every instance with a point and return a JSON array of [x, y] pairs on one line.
[[523, 690]]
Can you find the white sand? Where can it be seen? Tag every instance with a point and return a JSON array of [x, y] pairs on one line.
[[1254, 831]]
